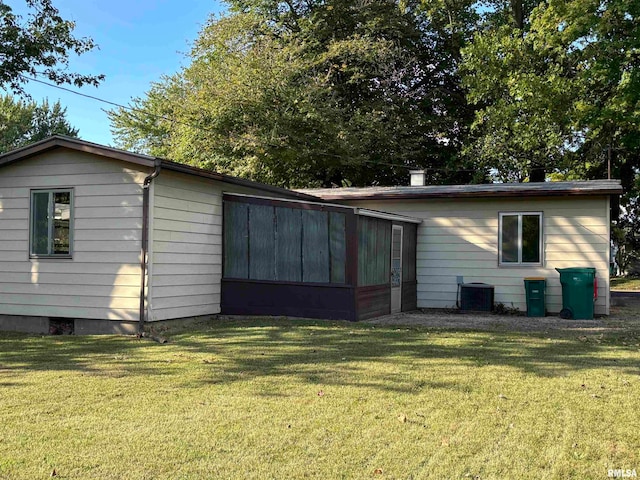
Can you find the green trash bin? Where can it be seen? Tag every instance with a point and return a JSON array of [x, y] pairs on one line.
[[577, 292], [535, 287]]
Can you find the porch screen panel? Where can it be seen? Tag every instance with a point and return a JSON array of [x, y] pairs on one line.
[[315, 246], [374, 250], [337, 246], [364, 240], [288, 244], [409, 252], [262, 265], [236, 240], [383, 253]]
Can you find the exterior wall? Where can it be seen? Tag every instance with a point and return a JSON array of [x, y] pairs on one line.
[[460, 238], [102, 279], [185, 245]]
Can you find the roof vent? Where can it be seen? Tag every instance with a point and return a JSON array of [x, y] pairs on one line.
[[417, 178]]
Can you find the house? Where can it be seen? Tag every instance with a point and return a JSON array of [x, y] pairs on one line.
[[107, 240], [498, 234]]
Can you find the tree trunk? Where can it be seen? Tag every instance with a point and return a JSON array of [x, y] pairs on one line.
[[517, 10]]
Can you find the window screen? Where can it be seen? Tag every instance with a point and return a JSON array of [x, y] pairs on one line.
[[51, 222], [510, 239]]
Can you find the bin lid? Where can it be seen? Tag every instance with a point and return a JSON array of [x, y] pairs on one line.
[[477, 285], [576, 270], [535, 278]]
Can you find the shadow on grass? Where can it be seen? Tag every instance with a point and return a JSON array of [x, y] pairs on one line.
[[325, 353]]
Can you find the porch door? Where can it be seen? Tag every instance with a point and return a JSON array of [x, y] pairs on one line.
[[396, 269]]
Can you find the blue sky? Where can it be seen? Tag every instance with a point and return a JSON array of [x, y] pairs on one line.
[[139, 40]]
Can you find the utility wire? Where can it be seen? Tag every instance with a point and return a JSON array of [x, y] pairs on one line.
[[199, 127], [93, 97]]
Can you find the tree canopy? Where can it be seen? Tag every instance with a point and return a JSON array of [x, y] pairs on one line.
[[312, 93], [558, 93], [39, 45], [25, 122], [342, 92]]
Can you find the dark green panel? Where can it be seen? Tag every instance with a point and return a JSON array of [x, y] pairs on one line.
[[374, 251], [236, 240], [384, 251], [315, 246], [262, 264], [380, 257], [288, 244], [362, 250], [366, 243], [337, 246], [374, 238], [409, 253]]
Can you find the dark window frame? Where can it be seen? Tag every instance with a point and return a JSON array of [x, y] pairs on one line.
[[50, 226], [520, 262]]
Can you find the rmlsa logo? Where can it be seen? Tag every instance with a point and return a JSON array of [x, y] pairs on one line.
[[620, 473]]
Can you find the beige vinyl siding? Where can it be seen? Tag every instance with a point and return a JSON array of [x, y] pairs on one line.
[[186, 245], [102, 279], [460, 238], [185, 238]]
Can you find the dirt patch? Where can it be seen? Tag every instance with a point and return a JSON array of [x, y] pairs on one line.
[[479, 321], [624, 315]]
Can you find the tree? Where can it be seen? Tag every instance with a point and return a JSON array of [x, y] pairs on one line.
[[305, 93], [39, 46], [560, 93], [25, 122]]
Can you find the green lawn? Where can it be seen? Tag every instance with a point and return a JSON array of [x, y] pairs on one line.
[[302, 399], [625, 283]]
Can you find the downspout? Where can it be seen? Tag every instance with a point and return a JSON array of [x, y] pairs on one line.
[[145, 240]]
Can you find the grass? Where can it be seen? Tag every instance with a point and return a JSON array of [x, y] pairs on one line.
[[303, 399], [625, 283]]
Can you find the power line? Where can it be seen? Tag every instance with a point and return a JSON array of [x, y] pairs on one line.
[[93, 97], [199, 127]]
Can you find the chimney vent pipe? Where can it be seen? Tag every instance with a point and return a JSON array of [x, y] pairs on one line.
[[417, 178]]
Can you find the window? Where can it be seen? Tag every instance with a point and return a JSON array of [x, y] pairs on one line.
[[520, 238], [51, 223]]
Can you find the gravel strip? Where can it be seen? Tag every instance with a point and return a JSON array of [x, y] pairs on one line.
[[481, 321]]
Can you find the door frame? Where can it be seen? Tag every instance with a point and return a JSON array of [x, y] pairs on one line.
[[392, 307]]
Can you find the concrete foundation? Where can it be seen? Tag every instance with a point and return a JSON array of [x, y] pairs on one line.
[[23, 323], [89, 326]]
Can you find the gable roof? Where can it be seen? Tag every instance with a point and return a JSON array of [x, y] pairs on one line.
[[58, 141], [539, 189]]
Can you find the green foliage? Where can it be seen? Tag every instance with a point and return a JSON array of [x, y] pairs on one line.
[[39, 46], [25, 122], [557, 93], [352, 93], [311, 93]]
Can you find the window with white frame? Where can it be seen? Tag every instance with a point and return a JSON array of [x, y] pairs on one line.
[[51, 223], [520, 238]]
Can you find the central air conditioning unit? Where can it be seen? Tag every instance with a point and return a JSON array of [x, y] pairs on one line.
[[476, 296]]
